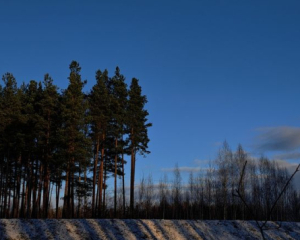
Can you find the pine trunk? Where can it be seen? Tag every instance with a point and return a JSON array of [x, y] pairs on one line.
[[57, 198], [123, 182], [100, 181], [94, 178], [72, 189], [34, 190], [104, 190], [85, 197], [66, 197], [115, 185], [28, 190], [132, 176], [23, 199], [40, 192], [46, 190]]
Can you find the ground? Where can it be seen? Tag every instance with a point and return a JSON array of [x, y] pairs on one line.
[[129, 229]]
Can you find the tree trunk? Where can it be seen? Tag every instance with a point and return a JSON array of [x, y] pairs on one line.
[[66, 197], [34, 189], [79, 196], [94, 178], [115, 185], [1, 185], [132, 176], [6, 191], [104, 190], [15, 207], [46, 190], [22, 201], [85, 197], [57, 197], [46, 169], [28, 190], [40, 192], [123, 182], [72, 189], [100, 181]]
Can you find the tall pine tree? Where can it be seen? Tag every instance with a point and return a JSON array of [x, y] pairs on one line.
[[49, 106], [11, 140], [99, 103], [137, 129], [118, 122], [73, 114]]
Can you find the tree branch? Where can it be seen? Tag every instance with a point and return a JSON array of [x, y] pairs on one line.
[[262, 226]]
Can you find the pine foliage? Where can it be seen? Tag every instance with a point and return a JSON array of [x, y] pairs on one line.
[[58, 148]]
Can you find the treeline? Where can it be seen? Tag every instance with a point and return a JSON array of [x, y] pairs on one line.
[[59, 148], [63, 146], [211, 194]]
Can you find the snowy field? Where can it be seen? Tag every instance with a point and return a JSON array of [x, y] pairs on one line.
[[140, 229]]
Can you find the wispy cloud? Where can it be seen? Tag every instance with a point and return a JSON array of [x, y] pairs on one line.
[[183, 169], [288, 156], [283, 138], [217, 144], [198, 165], [200, 162], [289, 166]]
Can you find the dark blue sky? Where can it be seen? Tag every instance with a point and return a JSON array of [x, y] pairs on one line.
[[212, 70]]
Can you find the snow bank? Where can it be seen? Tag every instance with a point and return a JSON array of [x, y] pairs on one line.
[[129, 229]]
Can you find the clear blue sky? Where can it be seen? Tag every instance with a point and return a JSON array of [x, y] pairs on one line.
[[212, 70]]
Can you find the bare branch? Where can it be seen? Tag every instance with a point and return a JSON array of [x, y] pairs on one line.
[[281, 193], [242, 175], [262, 227]]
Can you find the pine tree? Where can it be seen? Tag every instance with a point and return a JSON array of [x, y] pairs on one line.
[[2, 174], [49, 112], [45, 142], [118, 122], [32, 153], [137, 130], [74, 114], [11, 141], [100, 112]]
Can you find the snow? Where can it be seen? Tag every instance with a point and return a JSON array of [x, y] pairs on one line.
[[123, 229]]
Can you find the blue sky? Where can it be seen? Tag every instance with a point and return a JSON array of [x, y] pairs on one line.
[[212, 70]]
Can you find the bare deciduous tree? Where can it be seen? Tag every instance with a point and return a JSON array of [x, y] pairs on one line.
[[262, 225]]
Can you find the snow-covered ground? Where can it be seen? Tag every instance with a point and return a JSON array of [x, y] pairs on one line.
[[80, 229]]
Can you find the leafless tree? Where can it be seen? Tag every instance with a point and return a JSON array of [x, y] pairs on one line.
[[163, 194], [262, 225], [176, 193]]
